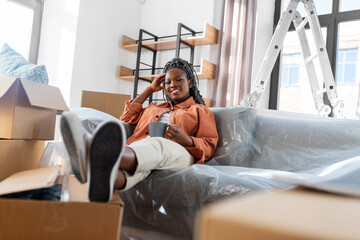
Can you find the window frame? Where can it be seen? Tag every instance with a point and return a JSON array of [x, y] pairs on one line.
[[331, 21], [343, 64], [37, 6], [289, 67]]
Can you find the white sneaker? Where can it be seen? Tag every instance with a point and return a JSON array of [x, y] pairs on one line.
[[106, 148], [75, 139]]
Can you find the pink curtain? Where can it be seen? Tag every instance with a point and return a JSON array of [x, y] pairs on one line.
[[236, 53]]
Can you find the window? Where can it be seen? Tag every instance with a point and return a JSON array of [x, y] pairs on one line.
[[340, 23], [322, 6], [290, 70], [346, 66], [20, 22]]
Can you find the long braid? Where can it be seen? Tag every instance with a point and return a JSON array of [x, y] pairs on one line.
[[190, 74]]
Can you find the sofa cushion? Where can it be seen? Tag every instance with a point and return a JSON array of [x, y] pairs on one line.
[[12, 64], [235, 127], [297, 142]]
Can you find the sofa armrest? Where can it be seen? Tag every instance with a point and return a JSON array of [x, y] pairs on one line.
[[235, 128]]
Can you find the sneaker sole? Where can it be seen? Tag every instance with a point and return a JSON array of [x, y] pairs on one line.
[[105, 151], [69, 132]]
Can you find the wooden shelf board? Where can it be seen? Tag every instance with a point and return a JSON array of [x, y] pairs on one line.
[[158, 46], [209, 37], [207, 71]]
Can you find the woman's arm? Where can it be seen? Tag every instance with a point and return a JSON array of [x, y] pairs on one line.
[[133, 108], [206, 137]]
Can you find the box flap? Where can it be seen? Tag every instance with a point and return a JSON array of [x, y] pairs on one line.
[[42, 95], [30, 180], [5, 84]]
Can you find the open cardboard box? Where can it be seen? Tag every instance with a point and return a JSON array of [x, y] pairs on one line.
[[38, 219], [28, 109], [300, 213]]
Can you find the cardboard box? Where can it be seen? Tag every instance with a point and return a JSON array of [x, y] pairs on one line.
[[292, 214], [110, 103], [19, 155], [208, 102], [37, 219], [28, 109]]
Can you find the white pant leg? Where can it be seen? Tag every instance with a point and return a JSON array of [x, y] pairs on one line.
[[157, 153]]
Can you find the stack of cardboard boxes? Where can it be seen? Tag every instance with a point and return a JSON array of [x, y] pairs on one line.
[[27, 119]]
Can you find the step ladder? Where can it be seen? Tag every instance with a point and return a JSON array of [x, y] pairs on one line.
[[275, 46]]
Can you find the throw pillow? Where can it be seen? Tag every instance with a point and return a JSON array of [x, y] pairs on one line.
[[12, 64]]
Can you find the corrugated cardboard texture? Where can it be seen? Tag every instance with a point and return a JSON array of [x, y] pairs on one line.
[[28, 109], [19, 155], [30, 122], [7, 109], [29, 219], [111, 103], [282, 215], [42, 95], [30, 179]]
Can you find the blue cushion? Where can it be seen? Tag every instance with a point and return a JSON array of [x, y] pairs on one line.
[[12, 64]]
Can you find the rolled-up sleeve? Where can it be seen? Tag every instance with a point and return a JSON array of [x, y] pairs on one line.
[[205, 138], [132, 112]]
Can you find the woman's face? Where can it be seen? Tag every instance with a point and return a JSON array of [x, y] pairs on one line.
[[177, 86]]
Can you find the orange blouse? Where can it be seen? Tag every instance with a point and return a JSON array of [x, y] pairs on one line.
[[195, 120]]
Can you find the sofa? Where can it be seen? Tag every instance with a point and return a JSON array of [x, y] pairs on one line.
[[258, 150]]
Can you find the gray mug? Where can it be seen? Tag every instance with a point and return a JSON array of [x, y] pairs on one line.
[[157, 129]]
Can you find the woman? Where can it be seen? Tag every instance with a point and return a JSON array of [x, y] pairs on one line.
[[191, 136]]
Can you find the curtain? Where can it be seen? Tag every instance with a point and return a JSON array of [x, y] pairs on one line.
[[233, 82]]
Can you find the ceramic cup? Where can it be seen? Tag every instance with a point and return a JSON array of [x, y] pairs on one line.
[[157, 129]]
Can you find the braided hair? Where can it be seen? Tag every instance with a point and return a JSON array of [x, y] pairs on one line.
[[188, 69]]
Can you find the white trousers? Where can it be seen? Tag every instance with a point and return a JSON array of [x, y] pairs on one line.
[[156, 153]]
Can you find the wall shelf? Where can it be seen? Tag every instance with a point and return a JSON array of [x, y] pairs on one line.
[[155, 43], [208, 37], [207, 71]]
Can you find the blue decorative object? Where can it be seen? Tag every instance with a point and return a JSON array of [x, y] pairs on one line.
[[12, 64]]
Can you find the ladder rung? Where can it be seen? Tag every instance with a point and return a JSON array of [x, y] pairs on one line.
[[322, 91], [311, 58], [302, 24]]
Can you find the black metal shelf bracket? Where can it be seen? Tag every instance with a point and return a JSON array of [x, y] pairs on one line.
[[179, 41], [138, 60]]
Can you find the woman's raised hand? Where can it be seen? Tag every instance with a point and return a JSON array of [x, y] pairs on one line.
[[156, 83]]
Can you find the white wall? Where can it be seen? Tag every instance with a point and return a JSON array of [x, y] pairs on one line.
[[264, 31], [80, 39], [97, 50], [57, 42]]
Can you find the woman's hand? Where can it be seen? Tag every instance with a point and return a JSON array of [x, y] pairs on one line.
[[154, 87], [174, 133], [156, 83]]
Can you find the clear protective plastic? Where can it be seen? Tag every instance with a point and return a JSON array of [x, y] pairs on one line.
[[258, 150]]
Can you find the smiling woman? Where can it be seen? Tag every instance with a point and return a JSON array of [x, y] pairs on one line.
[[20, 22]]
